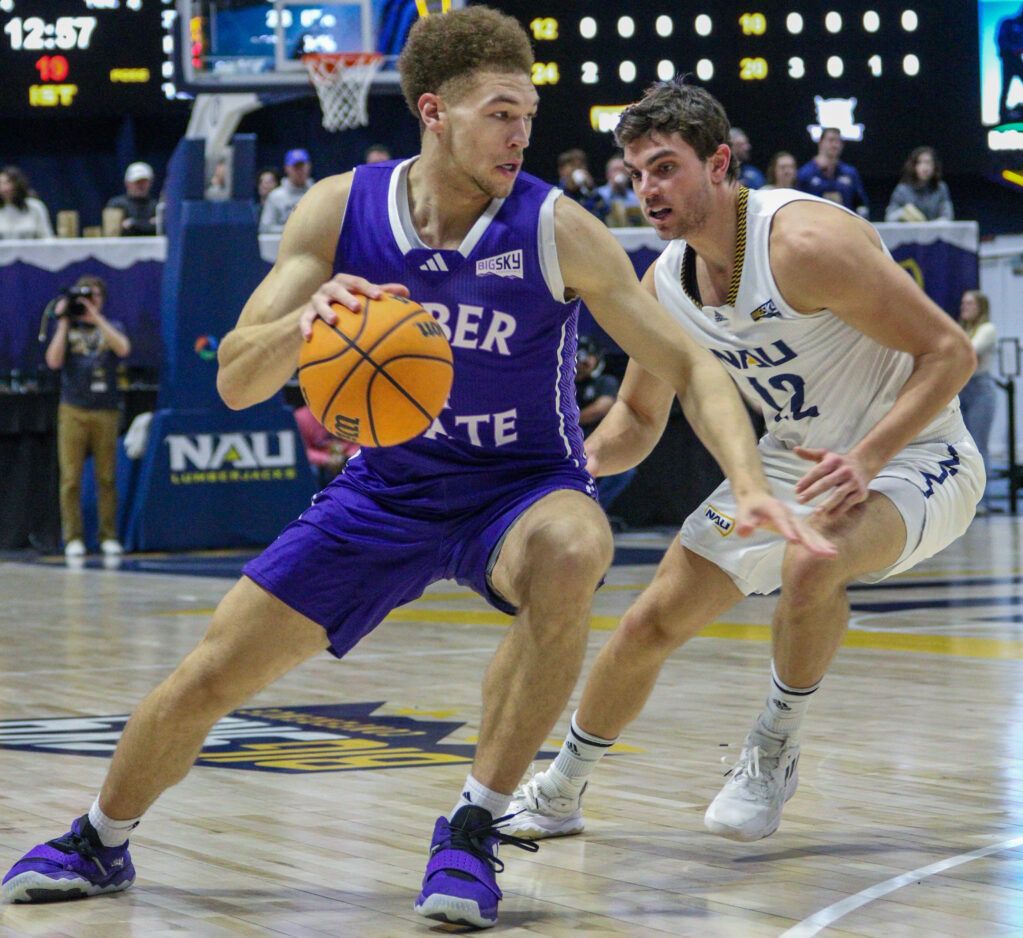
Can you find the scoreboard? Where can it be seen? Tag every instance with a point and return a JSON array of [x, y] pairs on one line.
[[890, 75], [82, 57]]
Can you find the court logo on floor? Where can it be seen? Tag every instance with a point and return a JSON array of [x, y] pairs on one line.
[[337, 738]]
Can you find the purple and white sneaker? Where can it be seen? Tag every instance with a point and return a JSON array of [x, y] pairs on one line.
[[460, 884], [73, 866]]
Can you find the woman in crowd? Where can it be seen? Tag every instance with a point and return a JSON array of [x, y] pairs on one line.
[[781, 171], [21, 214], [977, 399], [267, 180], [921, 195]]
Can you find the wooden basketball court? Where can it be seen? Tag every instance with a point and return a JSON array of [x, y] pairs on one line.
[[312, 810]]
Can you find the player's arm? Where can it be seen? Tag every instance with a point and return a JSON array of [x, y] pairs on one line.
[[594, 266], [823, 258], [261, 353], [636, 420]]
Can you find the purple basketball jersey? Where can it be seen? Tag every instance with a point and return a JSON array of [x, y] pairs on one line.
[[499, 299]]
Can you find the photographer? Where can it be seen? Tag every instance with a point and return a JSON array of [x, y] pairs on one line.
[[84, 349]]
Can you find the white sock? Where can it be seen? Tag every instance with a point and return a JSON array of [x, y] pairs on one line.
[[785, 707], [111, 833], [580, 753], [479, 796]]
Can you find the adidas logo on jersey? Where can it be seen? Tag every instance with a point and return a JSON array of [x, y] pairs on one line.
[[766, 311], [434, 263], [508, 264]]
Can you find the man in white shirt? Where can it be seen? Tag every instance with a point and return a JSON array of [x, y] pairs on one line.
[[281, 202]]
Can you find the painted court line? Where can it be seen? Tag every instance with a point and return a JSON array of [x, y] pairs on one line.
[[821, 920]]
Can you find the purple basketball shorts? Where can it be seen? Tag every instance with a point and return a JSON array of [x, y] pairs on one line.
[[349, 559]]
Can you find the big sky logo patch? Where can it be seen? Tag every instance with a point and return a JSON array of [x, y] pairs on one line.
[[337, 738]]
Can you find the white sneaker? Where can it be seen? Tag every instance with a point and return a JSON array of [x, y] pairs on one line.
[[765, 777], [112, 547], [541, 810], [74, 548]]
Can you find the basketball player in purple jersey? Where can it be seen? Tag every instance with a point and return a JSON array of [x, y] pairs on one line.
[[495, 494]]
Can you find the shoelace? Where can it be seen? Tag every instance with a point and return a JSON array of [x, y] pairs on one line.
[[533, 794], [74, 842], [473, 841], [748, 764]]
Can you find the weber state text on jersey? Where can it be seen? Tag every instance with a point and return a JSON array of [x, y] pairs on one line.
[[818, 381], [500, 300]]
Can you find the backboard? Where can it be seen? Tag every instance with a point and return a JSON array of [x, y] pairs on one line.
[[257, 45]]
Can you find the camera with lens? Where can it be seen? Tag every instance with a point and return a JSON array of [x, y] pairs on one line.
[[74, 306]]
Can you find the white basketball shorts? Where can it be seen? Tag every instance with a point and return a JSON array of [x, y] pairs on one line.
[[935, 486]]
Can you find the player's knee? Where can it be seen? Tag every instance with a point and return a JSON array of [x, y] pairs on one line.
[[569, 553], [807, 579], [645, 629], [198, 691]]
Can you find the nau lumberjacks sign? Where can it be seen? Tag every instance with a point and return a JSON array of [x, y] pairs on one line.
[[338, 738]]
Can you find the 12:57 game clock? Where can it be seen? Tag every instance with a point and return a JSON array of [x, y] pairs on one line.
[[82, 57]]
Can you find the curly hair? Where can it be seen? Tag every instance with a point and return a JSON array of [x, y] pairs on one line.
[[678, 107], [449, 48], [21, 187]]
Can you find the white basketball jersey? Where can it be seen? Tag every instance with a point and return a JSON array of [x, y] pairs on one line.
[[817, 381]]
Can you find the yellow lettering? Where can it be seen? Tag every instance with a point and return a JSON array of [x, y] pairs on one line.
[[129, 75], [51, 95]]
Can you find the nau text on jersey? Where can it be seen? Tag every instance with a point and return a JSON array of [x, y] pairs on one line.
[[473, 327], [775, 354]]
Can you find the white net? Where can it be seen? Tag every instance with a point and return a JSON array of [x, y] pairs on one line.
[[342, 83]]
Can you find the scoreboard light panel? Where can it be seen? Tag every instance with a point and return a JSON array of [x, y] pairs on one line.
[[81, 56]]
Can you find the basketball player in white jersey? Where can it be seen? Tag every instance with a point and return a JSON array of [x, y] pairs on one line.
[[855, 372]]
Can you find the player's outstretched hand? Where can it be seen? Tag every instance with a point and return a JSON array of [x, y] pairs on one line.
[[346, 290], [765, 511], [841, 474]]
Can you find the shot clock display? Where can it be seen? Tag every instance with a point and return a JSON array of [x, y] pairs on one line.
[[82, 57], [891, 74]]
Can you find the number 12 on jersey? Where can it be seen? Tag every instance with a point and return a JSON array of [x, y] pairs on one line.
[[793, 386]]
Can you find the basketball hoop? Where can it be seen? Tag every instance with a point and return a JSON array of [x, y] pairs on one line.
[[342, 81]]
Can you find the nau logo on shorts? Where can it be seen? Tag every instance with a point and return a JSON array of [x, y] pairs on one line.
[[722, 522], [766, 311], [337, 738], [508, 264]]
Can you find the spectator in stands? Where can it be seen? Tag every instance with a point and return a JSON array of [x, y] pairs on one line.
[[826, 176], [781, 171], [921, 195], [749, 175], [575, 181], [326, 454], [977, 399], [84, 349], [218, 190], [595, 392], [137, 203], [377, 153], [623, 204], [268, 179], [22, 215], [281, 202]]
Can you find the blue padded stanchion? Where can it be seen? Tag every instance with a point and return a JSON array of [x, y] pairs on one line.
[[211, 477]]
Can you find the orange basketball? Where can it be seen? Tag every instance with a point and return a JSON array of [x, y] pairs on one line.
[[381, 375]]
